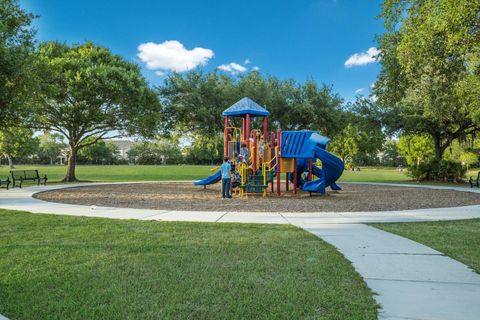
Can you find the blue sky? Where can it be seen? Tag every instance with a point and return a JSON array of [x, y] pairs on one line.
[[289, 39]]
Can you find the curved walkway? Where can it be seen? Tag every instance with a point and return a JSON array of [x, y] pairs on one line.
[[411, 281]]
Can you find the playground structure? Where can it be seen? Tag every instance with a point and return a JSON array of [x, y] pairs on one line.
[[295, 153]]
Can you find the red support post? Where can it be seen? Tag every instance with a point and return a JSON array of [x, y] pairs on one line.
[[247, 131], [254, 151], [279, 159], [272, 154], [310, 170], [295, 176], [225, 146]]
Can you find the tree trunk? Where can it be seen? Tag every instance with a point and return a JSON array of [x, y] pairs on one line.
[[439, 149], [10, 162], [72, 159]]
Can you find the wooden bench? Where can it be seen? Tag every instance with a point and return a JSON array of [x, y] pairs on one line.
[[19, 176], [475, 182], [5, 183]]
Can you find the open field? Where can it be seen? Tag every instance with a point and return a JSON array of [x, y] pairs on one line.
[[459, 240], [121, 172], [60, 267], [190, 172]]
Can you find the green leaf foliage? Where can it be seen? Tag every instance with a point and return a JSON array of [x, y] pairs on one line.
[[17, 142], [163, 151], [416, 148], [88, 92], [362, 138], [430, 77], [101, 152], [51, 147], [17, 76], [193, 102]]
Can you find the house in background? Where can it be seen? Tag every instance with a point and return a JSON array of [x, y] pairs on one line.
[[123, 147]]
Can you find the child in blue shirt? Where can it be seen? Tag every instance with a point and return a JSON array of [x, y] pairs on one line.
[[226, 179]]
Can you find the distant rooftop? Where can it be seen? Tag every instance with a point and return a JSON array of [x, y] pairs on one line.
[[246, 106]]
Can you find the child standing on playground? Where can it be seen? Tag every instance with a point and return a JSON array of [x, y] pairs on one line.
[[226, 179]]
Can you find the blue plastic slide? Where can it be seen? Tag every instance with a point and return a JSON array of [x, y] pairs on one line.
[[332, 169], [316, 171], [214, 178]]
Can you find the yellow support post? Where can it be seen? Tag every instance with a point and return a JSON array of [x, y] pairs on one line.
[[264, 173]]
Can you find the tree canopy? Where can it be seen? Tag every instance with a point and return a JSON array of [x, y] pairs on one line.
[[89, 94], [17, 142], [362, 137], [51, 146], [17, 76], [430, 77], [193, 102]]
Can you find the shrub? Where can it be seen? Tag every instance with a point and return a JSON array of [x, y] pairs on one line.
[[435, 170]]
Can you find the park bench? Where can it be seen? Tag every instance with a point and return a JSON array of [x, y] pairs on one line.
[[5, 183], [19, 176], [475, 182]]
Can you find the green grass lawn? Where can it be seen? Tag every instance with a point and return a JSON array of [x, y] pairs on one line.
[[371, 174], [459, 240], [121, 172], [190, 172], [60, 267], [392, 175]]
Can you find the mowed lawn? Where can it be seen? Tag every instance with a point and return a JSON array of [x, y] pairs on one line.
[[60, 267], [459, 240], [121, 173]]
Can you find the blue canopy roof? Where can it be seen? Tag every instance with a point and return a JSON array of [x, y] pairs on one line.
[[246, 106]]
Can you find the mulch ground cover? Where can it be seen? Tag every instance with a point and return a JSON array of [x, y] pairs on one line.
[[186, 196]]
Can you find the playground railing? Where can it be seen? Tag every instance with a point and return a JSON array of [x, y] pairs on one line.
[[266, 168], [242, 168], [264, 173]]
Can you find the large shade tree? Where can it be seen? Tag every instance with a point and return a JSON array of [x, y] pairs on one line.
[[430, 77], [89, 94], [193, 102], [16, 62]]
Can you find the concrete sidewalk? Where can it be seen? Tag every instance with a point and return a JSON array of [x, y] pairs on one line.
[[411, 281]]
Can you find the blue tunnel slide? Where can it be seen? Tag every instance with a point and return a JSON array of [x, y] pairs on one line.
[[306, 145], [332, 170]]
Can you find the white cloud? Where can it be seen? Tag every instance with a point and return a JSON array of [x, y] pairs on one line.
[[172, 56], [247, 61], [362, 58], [359, 90], [255, 68], [232, 67], [159, 73]]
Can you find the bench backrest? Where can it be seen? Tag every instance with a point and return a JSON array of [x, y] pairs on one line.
[[25, 174]]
